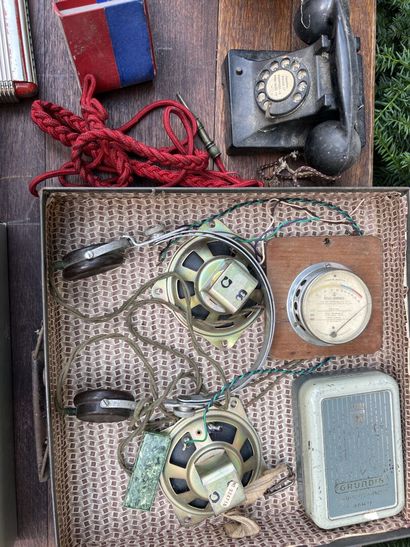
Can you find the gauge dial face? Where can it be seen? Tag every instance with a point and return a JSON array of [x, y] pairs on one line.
[[336, 307]]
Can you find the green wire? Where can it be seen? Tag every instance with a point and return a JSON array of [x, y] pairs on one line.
[[236, 206], [330, 206], [267, 237], [270, 235], [249, 374]]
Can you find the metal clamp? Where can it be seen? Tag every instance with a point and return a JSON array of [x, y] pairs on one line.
[[282, 484], [40, 423]]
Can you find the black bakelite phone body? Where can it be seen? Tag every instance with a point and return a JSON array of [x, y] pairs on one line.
[[309, 99]]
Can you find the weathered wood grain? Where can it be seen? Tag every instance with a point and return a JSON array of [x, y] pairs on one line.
[[26, 313], [21, 144], [363, 17]]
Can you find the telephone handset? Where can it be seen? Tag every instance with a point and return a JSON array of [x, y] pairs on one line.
[[309, 99]]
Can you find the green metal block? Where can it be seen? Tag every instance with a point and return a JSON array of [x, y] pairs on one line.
[[143, 484]]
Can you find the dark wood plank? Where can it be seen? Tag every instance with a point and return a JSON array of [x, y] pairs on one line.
[[246, 24], [363, 16], [26, 313], [238, 20], [21, 144]]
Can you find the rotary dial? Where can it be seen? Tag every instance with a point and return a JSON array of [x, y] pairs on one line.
[[282, 86]]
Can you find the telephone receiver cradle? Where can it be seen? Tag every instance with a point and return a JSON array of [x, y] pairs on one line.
[[309, 99]]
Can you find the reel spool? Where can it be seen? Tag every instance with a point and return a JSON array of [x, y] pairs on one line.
[[221, 283], [230, 436]]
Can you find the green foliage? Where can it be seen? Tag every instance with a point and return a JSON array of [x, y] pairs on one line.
[[392, 112]]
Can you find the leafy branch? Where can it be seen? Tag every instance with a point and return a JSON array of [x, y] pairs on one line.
[[392, 105]]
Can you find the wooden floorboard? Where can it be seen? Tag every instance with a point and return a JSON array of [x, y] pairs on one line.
[[364, 25], [245, 24], [25, 311], [191, 39], [22, 150]]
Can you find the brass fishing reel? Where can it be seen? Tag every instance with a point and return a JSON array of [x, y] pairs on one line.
[[225, 294], [207, 478]]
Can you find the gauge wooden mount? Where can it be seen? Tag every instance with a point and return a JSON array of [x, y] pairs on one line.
[[287, 257]]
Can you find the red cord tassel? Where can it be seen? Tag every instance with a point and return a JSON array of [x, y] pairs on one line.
[[102, 157]]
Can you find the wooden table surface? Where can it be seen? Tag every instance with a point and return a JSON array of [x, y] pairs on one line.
[[191, 38]]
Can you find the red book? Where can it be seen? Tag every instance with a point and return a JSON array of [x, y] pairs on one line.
[[110, 39]]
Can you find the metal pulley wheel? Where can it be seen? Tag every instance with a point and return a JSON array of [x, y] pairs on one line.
[[197, 477], [104, 405]]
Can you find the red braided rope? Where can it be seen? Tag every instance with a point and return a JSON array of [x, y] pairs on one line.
[[102, 157]]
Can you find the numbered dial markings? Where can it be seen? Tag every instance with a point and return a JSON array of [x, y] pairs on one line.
[[337, 307], [330, 306], [282, 86]]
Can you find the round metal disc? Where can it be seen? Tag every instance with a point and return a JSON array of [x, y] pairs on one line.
[[79, 267], [298, 315], [191, 261], [90, 409], [280, 85]]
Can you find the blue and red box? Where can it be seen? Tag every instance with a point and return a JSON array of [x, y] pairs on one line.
[[110, 39]]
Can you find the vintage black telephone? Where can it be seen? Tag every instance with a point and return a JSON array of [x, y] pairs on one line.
[[311, 98]]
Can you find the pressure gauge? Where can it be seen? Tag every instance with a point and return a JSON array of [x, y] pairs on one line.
[[328, 304]]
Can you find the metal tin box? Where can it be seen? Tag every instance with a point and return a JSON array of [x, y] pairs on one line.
[[350, 448], [87, 485]]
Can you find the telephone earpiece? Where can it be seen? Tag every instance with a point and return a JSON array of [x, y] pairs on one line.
[[104, 405], [334, 145], [102, 257], [331, 149], [94, 259], [313, 19], [80, 267]]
